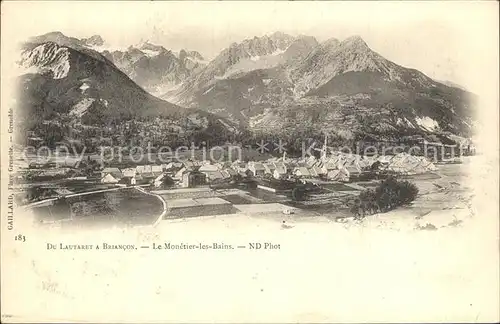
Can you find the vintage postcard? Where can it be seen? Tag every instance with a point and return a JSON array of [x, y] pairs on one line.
[[249, 162]]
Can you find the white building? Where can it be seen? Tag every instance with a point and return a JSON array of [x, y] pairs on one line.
[[109, 178], [257, 169], [341, 175], [280, 170], [302, 172]]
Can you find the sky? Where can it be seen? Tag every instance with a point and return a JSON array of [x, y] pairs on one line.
[[446, 40]]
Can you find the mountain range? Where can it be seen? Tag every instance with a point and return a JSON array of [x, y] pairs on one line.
[[155, 68], [152, 67], [275, 83], [279, 82], [69, 90]]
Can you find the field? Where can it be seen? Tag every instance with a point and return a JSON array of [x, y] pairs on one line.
[[381, 266], [227, 154], [122, 207], [441, 190], [193, 211]]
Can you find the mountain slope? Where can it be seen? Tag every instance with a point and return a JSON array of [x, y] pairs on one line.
[[332, 59], [258, 53], [352, 68], [242, 96], [272, 83], [67, 85], [155, 68], [344, 82]]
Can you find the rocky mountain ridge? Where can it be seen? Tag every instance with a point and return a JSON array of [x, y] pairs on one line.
[[153, 67], [279, 82], [341, 81], [69, 90]]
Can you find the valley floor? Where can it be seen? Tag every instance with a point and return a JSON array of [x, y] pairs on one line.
[[380, 269], [444, 192]]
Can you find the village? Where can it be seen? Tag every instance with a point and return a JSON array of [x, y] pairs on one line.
[[273, 173], [328, 165], [338, 167], [326, 181]]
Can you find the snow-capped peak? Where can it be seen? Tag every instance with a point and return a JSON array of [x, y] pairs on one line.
[[95, 40], [48, 57]]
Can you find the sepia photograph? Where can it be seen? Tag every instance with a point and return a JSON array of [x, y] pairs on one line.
[[233, 161]]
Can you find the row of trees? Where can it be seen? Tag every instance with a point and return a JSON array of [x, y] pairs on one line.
[[160, 132]]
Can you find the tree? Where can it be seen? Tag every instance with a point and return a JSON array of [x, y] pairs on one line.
[[407, 192], [390, 194], [299, 193]]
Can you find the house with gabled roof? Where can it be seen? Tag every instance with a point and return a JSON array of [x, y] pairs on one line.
[[178, 175], [341, 175], [269, 168], [353, 168], [146, 171], [313, 173], [109, 178], [167, 166], [257, 168], [245, 174], [193, 178], [163, 180], [350, 158], [316, 171], [148, 176], [330, 164], [189, 165], [239, 166], [130, 180], [208, 168], [129, 172], [211, 171], [281, 167], [310, 161], [157, 169], [292, 163], [172, 167], [231, 172], [225, 174], [177, 165], [302, 172], [385, 160], [399, 165], [222, 165], [115, 172], [216, 175], [365, 162], [280, 170]]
